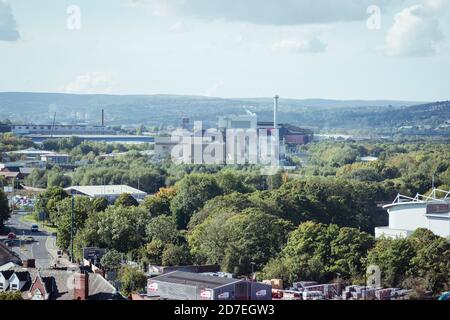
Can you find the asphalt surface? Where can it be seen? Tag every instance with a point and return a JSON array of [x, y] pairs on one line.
[[36, 250]]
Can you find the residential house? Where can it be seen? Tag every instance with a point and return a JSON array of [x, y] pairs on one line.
[[4, 279], [18, 280]]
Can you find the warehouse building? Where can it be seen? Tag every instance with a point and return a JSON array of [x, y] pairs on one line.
[[407, 214], [109, 192], [180, 285]]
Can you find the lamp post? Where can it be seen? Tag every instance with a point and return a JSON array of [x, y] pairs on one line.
[[253, 272], [72, 226]]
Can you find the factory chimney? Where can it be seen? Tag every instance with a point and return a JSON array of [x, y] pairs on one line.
[[275, 112], [103, 117]]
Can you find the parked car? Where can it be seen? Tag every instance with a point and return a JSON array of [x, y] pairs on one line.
[[34, 228], [11, 235], [29, 239]]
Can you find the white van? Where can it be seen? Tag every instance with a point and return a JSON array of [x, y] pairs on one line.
[[313, 295]]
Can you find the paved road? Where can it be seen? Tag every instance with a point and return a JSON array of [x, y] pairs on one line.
[[36, 250]]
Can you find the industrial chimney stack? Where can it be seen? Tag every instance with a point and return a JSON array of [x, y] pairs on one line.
[[275, 112], [103, 117]]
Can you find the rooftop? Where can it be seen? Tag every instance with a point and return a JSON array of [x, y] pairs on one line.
[[436, 196], [7, 256], [105, 190], [31, 151], [195, 279], [99, 287]]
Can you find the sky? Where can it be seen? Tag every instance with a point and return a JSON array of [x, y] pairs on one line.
[[330, 49]]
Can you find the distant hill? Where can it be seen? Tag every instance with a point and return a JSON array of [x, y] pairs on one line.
[[383, 116], [169, 109]]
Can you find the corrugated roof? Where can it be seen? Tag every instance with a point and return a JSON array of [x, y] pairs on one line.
[[195, 279]]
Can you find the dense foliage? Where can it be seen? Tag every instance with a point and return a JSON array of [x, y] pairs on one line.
[[315, 223]]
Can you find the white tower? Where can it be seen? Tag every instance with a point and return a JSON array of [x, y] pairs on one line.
[[275, 112]]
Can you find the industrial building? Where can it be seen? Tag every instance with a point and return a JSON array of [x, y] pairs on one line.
[[55, 158], [180, 285], [407, 214], [109, 192], [223, 145], [59, 129]]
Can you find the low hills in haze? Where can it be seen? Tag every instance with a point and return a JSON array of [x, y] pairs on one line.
[[170, 109]]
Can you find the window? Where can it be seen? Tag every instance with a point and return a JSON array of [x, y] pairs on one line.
[[1, 286], [14, 287], [37, 295]]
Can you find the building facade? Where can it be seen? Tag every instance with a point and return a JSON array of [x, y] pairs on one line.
[[407, 214]]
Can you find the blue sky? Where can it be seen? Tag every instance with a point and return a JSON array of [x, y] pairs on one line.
[[225, 48]]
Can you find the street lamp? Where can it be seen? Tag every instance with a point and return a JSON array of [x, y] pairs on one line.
[[253, 272]]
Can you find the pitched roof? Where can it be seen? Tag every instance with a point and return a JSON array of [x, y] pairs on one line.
[[61, 280], [47, 282], [7, 273], [23, 275], [7, 256]]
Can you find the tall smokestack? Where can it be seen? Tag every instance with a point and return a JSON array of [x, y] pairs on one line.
[[103, 117], [275, 112]]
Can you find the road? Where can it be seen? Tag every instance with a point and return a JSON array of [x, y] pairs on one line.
[[37, 250]]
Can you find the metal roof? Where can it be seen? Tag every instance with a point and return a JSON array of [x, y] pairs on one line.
[[105, 190], [195, 279], [420, 198]]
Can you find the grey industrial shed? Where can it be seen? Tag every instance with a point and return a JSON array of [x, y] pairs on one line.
[[180, 285]]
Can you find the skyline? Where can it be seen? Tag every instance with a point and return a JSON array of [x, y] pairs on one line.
[[297, 50]]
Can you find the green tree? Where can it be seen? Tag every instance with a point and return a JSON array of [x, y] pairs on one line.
[[319, 252], [394, 258], [111, 260], [157, 206], [4, 209], [126, 200], [175, 255], [162, 228], [236, 240], [120, 228], [131, 280], [432, 260], [153, 251], [192, 193], [82, 209], [100, 204], [57, 178]]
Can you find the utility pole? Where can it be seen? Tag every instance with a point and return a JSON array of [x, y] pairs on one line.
[[72, 226]]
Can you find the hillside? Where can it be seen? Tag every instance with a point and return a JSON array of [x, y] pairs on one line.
[[373, 116]]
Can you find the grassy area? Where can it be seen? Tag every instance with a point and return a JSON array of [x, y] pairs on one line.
[[42, 226]]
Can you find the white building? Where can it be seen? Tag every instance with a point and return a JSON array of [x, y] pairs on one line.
[[48, 129], [56, 158], [407, 214], [110, 193]]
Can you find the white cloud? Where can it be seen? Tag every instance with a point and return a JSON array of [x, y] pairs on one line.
[[435, 5], [8, 26], [269, 12], [416, 30], [91, 83], [313, 45]]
